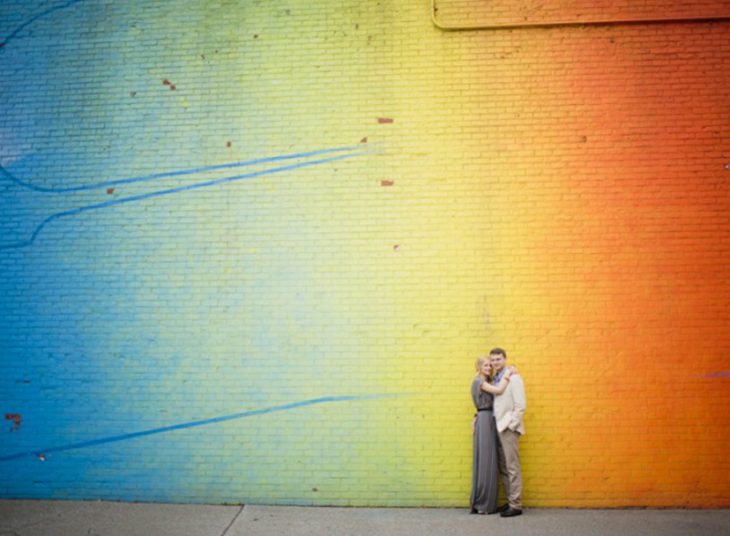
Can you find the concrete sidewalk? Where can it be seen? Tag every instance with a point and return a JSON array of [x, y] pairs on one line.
[[70, 518]]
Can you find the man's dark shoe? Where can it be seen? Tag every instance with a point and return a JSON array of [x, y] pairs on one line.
[[511, 512], [503, 508]]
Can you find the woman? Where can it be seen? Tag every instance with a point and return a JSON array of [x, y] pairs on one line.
[[485, 469]]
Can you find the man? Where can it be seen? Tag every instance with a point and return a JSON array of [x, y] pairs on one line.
[[508, 410]]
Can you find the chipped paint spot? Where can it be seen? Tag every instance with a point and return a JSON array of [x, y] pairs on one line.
[[228, 144], [364, 140], [385, 120], [16, 418], [396, 247], [387, 183]]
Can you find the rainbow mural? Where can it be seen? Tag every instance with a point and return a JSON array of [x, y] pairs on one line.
[[249, 251]]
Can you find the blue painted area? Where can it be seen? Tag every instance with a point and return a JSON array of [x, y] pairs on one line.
[[193, 424], [51, 10], [67, 79], [143, 308]]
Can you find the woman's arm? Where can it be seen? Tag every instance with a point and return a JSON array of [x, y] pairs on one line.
[[501, 386]]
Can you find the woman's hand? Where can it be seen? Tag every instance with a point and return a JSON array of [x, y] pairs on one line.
[[512, 369]]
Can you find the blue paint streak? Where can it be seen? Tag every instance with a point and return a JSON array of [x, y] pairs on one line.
[[203, 422], [34, 19], [177, 173], [179, 189], [721, 374]]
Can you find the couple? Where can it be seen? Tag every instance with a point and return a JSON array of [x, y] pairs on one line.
[[499, 396]]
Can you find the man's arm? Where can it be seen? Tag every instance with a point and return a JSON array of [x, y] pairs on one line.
[[517, 389]]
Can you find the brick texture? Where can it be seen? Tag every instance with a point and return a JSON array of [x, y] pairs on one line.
[[250, 250]]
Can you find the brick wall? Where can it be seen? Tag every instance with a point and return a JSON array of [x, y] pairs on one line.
[[250, 250], [470, 13]]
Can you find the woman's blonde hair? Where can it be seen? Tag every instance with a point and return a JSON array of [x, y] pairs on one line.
[[480, 361]]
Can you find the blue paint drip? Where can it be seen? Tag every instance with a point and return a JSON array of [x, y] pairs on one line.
[[179, 189], [203, 422], [30, 21], [177, 173]]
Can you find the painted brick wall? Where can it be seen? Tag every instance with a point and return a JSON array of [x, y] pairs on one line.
[[249, 251], [460, 13]]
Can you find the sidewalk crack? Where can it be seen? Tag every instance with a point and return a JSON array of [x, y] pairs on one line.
[[233, 520]]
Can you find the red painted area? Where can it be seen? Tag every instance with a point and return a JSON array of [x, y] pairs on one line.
[[387, 183], [383, 120], [16, 418]]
